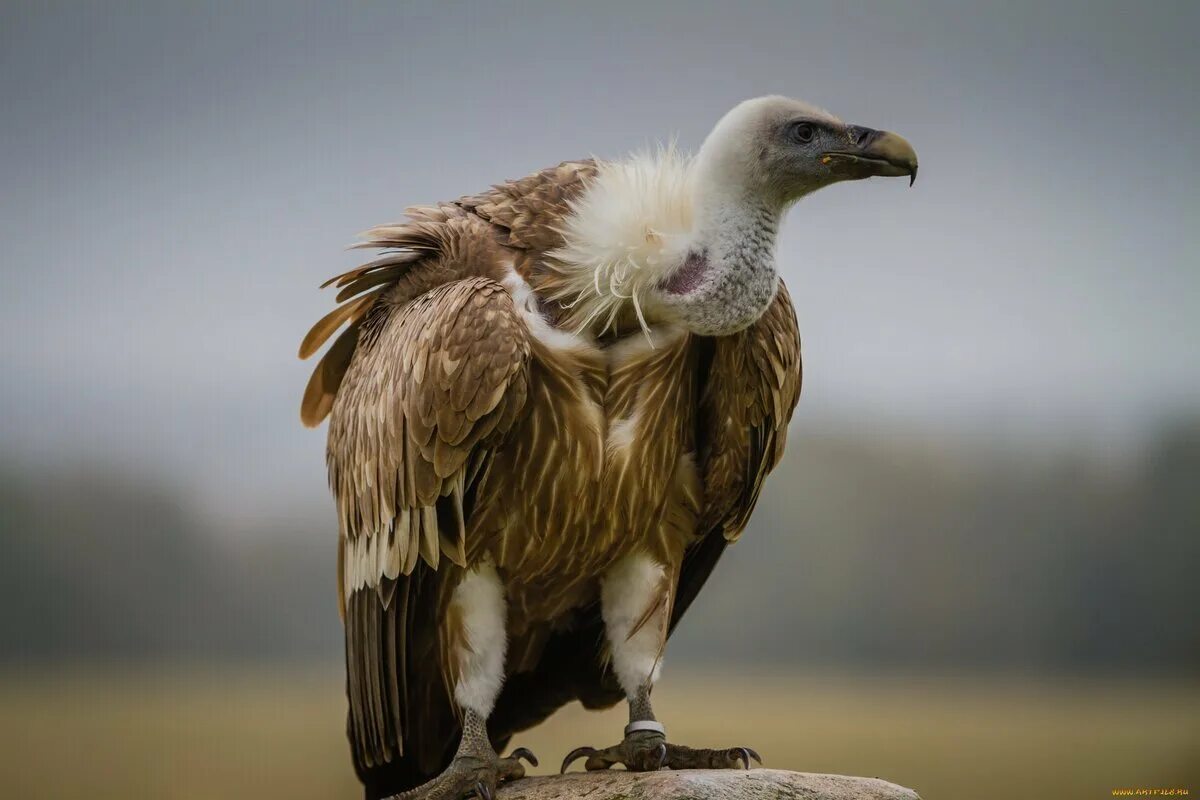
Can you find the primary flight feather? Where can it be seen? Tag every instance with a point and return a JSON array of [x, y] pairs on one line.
[[552, 406]]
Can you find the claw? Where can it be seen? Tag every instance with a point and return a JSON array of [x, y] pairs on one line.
[[525, 753], [750, 750], [577, 753], [742, 754], [483, 790], [662, 755]]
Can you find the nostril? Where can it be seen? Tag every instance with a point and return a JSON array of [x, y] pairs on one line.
[[861, 136]]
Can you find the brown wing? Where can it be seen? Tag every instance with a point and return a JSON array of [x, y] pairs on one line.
[[750, 390], [440, 381], [444, 376], [430, 372]]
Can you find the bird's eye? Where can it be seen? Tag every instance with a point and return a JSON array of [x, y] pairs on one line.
[[803, 132]]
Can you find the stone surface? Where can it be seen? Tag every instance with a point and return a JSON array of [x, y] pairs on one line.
[[702, 784]]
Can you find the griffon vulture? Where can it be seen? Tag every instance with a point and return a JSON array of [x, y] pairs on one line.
[[552, 409]]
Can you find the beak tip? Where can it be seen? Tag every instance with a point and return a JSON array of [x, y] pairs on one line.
[[912, 177]]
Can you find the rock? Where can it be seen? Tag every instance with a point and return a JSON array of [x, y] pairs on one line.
[[702, 784]]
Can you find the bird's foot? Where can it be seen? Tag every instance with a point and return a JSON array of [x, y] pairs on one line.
[[646, 751], [471, 775]]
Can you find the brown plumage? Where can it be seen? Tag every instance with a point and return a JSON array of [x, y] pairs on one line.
[[469, 425]]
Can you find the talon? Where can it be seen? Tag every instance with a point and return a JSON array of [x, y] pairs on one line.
[[483, 790], [525, 753], [577, 753], [750, 750], [662, 755]]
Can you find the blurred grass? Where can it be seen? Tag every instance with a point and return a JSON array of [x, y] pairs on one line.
[[277, 732]]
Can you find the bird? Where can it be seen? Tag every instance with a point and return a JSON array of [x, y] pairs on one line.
[[552, 406]]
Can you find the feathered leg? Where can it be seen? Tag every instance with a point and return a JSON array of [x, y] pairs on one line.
[[477, 642], [635, 602]]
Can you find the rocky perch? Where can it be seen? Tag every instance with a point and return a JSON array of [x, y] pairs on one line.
[[702, 784]]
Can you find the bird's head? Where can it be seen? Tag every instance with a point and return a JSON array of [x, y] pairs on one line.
[[776, 150], [692, 241], [762, 156]]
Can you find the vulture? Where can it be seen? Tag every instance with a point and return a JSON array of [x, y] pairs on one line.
[[551, 408]]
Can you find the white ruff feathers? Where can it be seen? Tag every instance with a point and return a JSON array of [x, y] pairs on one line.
[[624, 234]]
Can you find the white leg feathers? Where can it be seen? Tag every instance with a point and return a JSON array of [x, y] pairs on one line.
[[635, 598], [482, 612]]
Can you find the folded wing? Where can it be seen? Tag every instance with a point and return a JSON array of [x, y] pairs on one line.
[[751, 387], [433, 385]]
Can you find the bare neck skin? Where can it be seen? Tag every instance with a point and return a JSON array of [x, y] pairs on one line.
[[737, 231], [728, 276]]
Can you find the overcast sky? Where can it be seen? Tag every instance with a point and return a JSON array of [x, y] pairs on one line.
[[177, 179]]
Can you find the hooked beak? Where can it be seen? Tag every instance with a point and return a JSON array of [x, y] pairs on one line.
[[871, 153]]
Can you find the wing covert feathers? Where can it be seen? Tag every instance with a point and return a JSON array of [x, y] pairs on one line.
[[428, 374], [753, 386], [445, 377], [530, 210], [749, 393], [437, 383]]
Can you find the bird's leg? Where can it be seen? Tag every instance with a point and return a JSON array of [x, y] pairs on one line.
[[636, 599], [476, 637]]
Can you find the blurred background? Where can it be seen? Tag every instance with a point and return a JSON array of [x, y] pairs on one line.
[[975, 572]]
